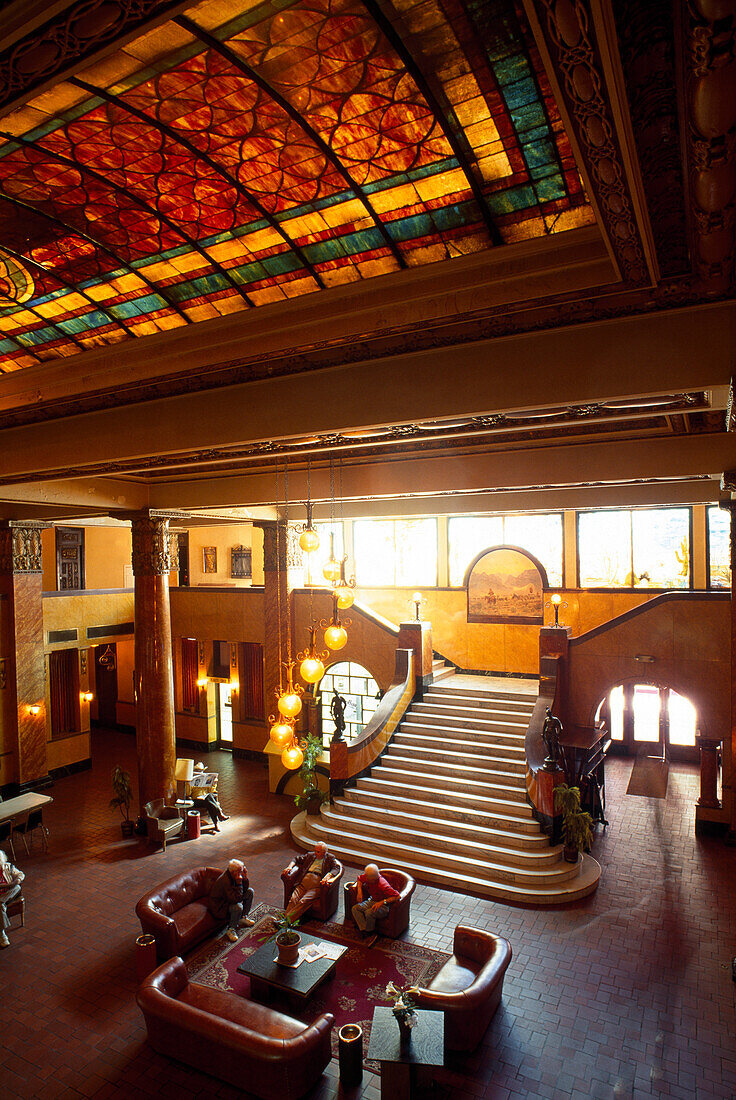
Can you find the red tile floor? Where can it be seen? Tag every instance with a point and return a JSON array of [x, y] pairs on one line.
[[625, 994]]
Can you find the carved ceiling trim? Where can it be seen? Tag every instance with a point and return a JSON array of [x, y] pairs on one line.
[[574, 422], [709, 42], [569, 35], [72, 37], [555, 313]]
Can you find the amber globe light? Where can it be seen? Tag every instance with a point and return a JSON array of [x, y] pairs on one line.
[[292, 758], [281, 733], [331, 568], [311, 670], [289, 704], [336, 636], [309, 540]]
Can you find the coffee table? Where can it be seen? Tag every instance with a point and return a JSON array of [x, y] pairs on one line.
[[400, 1062], [267, 977]]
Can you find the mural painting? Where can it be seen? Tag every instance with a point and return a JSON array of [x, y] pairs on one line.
[[505, 585]]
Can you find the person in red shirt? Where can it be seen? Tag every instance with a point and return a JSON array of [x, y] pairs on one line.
[[374, 895]]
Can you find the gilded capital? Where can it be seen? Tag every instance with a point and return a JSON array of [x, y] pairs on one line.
[[152, 547], [20, 547]]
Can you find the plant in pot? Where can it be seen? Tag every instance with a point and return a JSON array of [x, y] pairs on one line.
[[311, 797], [403, 1008], [577, 825], [122, 796], [283, 929]]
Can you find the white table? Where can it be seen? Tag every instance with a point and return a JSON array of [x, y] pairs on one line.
[[15, 808]]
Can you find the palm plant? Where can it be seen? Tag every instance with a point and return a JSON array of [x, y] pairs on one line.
[[122, 796], [577, 825], [311, 797]]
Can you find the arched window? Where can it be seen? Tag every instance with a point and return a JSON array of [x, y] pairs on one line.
[[360, 692]]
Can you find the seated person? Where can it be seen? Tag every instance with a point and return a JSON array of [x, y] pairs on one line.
[[231, 898], [374, 895], [314, 867], [208, 804], [10, 880]]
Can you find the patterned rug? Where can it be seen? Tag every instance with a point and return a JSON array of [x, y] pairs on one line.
[[358, 985]]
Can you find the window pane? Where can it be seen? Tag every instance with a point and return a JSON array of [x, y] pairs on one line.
[[616, 703], [467, 536], [374, 552], [604, 549], [719, 568], [540, 536], [682, 720], [661, 547], [646, 712], [313, 562], [416, 552]]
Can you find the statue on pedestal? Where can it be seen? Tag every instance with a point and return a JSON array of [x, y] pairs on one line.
[[551, 731], [337, 710]]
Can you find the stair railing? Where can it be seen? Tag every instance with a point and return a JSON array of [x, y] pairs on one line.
[[349, 759]]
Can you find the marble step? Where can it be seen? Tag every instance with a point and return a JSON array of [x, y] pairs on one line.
[[454, 752], [386, 849], [493, 695], [493, 768], [454, 802], [462, 880], [442, 671], [470, 720], [422, 736], [471, 714], [510, 832]]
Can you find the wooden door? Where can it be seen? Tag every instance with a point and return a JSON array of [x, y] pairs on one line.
[[106, 683], [69, 558]]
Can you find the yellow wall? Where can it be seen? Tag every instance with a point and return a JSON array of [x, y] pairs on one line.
[[223, 538], [107, 553]]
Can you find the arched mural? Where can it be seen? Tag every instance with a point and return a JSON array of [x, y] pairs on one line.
[[505, 585]]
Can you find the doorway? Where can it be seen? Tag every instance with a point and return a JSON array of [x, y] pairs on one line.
[[69, 558], [224, 703], [183, 578], [106, 684], [650, 720]]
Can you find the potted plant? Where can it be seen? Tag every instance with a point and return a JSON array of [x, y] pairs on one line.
[[311, 798], [577, 825], [403, 1008], [283, 929], [122, 796]]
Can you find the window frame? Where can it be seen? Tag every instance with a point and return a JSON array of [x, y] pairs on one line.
[[394, 520], [634, 588], [503, 516], [708, 579]]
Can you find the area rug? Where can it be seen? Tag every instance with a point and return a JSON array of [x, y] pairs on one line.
[[649, 777], [359, 983]]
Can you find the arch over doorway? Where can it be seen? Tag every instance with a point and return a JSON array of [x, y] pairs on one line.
[[646, 716]]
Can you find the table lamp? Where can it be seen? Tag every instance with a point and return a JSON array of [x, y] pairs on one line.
[[183, 774]]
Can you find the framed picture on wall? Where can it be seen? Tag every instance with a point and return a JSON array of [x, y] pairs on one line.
[[209, 554], [240, 561]]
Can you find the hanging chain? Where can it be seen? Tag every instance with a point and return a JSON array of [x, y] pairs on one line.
[[278, 583]]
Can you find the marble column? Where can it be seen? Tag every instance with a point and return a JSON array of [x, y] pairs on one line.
[[153, 560], [728, 778], [277, 595], [22, 650]]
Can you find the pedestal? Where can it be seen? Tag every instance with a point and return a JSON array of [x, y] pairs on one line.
[[709, 747], [417, 636]]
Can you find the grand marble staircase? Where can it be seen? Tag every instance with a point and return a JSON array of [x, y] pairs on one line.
[[447, 802]]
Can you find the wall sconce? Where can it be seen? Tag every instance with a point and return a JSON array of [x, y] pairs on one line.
[[34, 709], [87, 696], [234, 685], [203, 682], [555, 602], [416, 599], [645, 658]]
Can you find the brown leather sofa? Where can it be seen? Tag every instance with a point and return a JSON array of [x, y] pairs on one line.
[[468, 988], [327, 899], [176, 912], [252, 1047], [162, 821], [398, 912]]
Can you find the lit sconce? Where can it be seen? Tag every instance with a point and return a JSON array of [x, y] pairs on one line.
[[87, 696], [555, 602], [202, 683], [234, 685], [416, 599], [34, 709]]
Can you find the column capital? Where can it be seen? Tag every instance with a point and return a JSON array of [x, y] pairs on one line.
[[20, 546], [154, 550]]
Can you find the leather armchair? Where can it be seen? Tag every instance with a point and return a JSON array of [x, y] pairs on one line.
[[327, 899], [176, 912], [162, 821], [398, 912], [228, 1036], [468, 988]]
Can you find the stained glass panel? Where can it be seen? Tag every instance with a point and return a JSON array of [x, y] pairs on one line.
[[719, 558]]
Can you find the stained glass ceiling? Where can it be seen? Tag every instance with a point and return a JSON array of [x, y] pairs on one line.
[[247, 153]]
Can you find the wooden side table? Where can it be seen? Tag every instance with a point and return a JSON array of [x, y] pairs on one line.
[[401, 1062]]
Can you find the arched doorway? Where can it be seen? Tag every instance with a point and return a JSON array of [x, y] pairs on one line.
[[360, 692], [650, 719]]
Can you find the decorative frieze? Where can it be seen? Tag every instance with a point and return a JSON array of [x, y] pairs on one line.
[[20, 547]]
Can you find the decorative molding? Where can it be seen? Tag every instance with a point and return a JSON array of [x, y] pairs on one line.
[[152, 546], [70, 38], [20, 547], [569, 36], [709, 40]]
